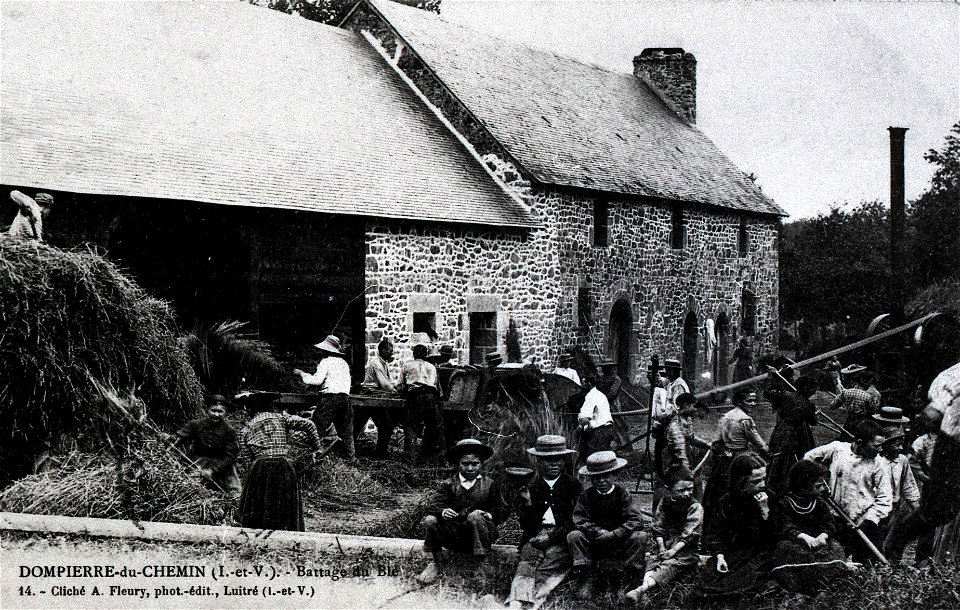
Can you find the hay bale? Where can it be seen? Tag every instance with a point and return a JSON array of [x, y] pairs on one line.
[[70, 318]]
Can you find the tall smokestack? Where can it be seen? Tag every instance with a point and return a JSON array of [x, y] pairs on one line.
[[898, 221]]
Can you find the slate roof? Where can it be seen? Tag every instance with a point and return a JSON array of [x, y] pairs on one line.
[[573, 124], [226, 103]]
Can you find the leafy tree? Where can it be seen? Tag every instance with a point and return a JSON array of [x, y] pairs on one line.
[[834, 268], [934, 220]]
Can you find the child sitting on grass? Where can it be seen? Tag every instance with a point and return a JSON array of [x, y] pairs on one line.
[[677, 525], [464, 513], [608, 523]]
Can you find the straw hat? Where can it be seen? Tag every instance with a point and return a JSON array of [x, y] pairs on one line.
[[853, 369], [331, 344], [469, 445], [565, 358], [607, 363], [602, 462], [890, 415], [671, 363], [550, 445], [216, 399]]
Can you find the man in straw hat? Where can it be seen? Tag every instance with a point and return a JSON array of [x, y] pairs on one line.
[[333, 379], [465, 511], [855, 399], [28, 224], [609, 524], [564, 369], [940, 498], [675, 383], [545, 523]]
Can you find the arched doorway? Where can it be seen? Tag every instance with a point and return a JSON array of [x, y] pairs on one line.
[[721, 357], [620, 332], [690, 347]]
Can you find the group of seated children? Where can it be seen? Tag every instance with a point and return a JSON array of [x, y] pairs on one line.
[[568, 530]]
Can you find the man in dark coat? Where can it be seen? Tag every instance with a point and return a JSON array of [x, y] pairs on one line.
[[546, 517], [212, 442], [465, 511]]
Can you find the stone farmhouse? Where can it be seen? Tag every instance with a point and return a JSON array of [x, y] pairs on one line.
[[401, 176]]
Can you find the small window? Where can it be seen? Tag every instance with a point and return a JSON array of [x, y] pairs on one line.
[[678, 231], [748, 325], [743, 242], [483, 335], [601, 224], [426, 322], [584, 307]]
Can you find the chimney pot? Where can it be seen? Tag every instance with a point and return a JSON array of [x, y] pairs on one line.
[[673, 73]]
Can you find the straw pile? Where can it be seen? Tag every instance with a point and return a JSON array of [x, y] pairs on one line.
[[70, 318], [86, 485]]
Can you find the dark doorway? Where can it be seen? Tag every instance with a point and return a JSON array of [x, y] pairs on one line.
[[186, 255], [721, 356], [690, 347], [620, 331], [483, 335]]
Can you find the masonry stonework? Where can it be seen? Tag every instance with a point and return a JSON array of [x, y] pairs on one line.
[[537, 274]]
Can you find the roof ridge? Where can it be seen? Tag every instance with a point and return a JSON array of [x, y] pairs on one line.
[[431, 15]]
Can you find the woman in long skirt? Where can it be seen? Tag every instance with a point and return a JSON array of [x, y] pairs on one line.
[[271, 490]]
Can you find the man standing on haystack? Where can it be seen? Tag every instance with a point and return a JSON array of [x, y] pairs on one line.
[[28, 223], [333, 379]]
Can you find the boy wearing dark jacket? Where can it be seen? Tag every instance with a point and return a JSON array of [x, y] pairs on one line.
[[546, 517]]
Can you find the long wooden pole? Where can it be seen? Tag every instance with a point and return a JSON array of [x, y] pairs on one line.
[[831, 503], [824, 356]]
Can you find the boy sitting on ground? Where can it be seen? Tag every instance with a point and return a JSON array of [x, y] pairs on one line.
[[677, 525], [546, 519], [464, 513], [608, 523]]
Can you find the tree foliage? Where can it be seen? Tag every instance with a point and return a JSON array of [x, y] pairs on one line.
[[834, 268]]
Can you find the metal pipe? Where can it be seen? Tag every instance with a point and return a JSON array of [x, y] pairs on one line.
[[898, 221]]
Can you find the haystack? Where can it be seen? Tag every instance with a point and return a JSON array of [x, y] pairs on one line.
[[70, 318], [87, 485]]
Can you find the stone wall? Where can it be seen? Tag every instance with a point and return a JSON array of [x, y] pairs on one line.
[[452, 272], [537, 278]]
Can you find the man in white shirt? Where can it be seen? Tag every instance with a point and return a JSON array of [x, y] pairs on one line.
[[596, 423], [859, 483], [333, 379], [563, 369], [675, 383], [421, 385], [28, 223]]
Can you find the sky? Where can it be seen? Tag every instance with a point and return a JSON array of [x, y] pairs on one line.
[[800, 94]]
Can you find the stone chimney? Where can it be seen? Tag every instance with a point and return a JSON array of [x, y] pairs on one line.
[[673, 73]]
